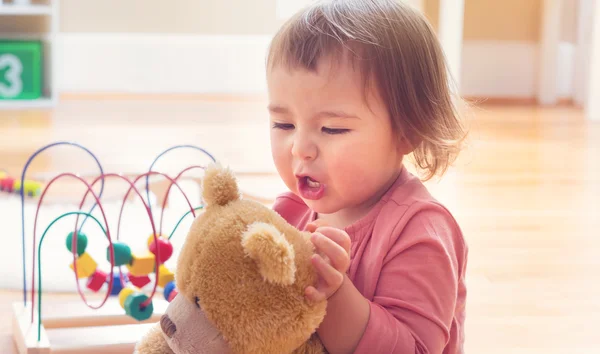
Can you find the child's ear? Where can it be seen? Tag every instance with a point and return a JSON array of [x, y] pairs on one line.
[[406, 146], [272, 253]]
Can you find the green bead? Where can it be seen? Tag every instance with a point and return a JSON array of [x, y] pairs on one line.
[[132, 307], [81, 243], [122, 253]]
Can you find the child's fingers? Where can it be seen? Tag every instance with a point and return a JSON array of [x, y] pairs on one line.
[[314, 225], [314, 295], [336, 235], [311, 228], [332, 278], [333, 251]]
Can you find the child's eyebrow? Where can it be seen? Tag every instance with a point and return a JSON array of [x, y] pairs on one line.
[[277, 109], [323, 114], [336, 114]]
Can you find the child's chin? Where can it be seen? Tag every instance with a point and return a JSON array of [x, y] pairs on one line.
[[321, 206]]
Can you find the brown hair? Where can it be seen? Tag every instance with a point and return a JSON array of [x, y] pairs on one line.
[[395, 46]]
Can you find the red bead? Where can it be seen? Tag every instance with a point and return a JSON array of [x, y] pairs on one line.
[[172, 295], [165, 249], [139, 281], [96, 280], [7, 184]]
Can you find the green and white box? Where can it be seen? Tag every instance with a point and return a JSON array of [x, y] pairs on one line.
[[20, 70]]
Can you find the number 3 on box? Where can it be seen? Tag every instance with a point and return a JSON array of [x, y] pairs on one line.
[[13, 75]]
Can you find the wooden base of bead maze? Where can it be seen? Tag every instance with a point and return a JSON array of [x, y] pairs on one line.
[[71, 327]]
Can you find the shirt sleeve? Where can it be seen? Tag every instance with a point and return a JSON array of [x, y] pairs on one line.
[[291, 208], [413, 307]]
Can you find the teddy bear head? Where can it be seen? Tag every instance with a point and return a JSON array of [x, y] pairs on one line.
[[247, 269]]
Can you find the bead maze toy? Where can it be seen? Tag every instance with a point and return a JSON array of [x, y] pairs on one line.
[[132, 300]]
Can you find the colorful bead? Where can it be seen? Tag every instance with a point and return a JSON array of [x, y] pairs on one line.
[[86, 266], [96, 281], [32, 188], [141, 264], [122, 253], [6, 184], [139, 281], [117, 285], [81, 242], [165, 249], [165, 276], [123, 294], [168, 289], [133, 307], [172, 295], [13, 185]]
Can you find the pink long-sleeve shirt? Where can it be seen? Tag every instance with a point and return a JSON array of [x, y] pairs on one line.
[[408, 258]]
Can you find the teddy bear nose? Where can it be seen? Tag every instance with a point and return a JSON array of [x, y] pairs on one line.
[[167, 326]]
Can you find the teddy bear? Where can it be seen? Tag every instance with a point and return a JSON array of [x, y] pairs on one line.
[[241, 276]]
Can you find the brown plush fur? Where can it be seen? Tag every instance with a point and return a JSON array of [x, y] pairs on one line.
[[249, 268], [153, 343]]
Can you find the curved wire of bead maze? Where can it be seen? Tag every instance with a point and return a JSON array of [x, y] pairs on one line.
[[136, 303]]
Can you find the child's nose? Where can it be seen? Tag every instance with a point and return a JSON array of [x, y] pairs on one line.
[[304, 149]]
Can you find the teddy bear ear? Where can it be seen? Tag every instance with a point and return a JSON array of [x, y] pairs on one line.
[[219, 185], [272, 253]]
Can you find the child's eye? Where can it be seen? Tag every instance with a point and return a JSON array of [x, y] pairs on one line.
[[283, 126], [335, 131]]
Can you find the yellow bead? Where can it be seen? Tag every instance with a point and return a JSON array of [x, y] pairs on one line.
[[151, 238], [124, 294], [141, 264], [32, 188], [165, 276], [86, 266]]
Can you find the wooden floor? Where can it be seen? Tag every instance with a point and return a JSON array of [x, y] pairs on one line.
[[526, 192]]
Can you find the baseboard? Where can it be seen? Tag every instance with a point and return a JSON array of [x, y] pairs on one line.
[[509, 69], [120, 64], [132, 96], [515, 101], [126, 96]]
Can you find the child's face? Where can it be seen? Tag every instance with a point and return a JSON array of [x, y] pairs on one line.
[[333, 148]]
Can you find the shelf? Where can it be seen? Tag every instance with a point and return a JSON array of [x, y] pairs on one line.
[[25, 10], [27, 104]]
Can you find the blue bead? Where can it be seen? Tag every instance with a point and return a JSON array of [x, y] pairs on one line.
[[117, 286], [168, 288]]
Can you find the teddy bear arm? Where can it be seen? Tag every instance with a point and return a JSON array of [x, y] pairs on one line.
[[311, 346], [153, 343]]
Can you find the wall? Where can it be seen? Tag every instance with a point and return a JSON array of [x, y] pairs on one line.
[[150, 45], [500, 49], [207, 17], [176, 46], [569, 24]]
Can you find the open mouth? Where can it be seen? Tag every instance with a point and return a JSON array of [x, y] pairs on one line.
[[310, 188]]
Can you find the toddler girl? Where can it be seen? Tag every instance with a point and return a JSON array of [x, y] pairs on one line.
[[354, 87]]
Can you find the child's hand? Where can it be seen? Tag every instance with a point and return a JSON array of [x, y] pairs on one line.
[[334, 245]]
